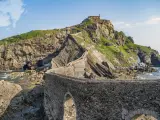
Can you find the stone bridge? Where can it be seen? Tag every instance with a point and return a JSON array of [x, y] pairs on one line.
[[102, 100]]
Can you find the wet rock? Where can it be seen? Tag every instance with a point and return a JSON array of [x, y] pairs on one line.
[[144, 58], [155, 59]]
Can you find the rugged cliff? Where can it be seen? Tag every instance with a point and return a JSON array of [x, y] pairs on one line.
[[68, 44]]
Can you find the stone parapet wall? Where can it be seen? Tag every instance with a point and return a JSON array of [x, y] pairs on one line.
[[102, 100]]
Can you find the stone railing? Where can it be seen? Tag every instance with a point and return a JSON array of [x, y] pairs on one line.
[[102, 100]]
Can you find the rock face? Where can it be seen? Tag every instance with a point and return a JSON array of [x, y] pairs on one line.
[[155, 59], [69, 52], [152, 58], [7, 92], [120, 37], [92, 46], [75, 68], [144, 58], [26, 105], [68, 44], [14, 54], [98, 28], [93, 62]]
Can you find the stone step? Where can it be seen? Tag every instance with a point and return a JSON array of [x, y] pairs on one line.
[[79, 69]]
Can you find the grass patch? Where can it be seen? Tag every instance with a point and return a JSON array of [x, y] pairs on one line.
[[145, 49], [87, 22], [83, 39], [131, 45], [115, 52], [29, 35], [105, 41]]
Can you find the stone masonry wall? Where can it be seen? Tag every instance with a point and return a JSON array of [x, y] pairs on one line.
[[102, 100]]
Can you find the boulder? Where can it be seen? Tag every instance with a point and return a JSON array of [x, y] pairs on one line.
[[27, 104], [144, 58], [7, 92], [155, 59]]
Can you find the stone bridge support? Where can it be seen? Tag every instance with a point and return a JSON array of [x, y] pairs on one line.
[[102, 100]]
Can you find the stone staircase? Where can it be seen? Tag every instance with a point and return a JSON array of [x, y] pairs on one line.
[[73, 69]]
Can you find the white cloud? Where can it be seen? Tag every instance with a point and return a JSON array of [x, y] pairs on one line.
[[151, 21], [4, 20], [155, 20], [118, 23], [144, 32], [10, 12], [122, 24]]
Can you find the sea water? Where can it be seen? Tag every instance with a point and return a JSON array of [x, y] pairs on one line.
[[4, 75], [153, 75]]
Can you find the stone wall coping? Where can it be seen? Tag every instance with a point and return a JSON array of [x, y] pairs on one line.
[[85, 80]]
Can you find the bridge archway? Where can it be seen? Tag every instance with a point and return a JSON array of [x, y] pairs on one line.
[[69, 107], [142, 114], [143, 117]]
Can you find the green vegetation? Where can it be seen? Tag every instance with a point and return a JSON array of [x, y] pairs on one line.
[[119, 34], [82, 26], [85, 23], [76, 30], [109, 48], [105, 41], [83, 39], [130, 44], [114, 52], [112, 49], [145, 49], [130, 38], [29, 35], [133, 46]]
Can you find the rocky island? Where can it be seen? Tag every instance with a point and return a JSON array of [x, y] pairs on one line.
[[91, 49]]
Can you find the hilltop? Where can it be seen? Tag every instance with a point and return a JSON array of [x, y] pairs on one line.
[[106, 48]]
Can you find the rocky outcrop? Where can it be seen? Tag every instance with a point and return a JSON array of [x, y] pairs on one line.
[[120, 37], [98, 28], [68, 44], [145, 58], [13, 55], [90, 47], [152, 58], [69, 51], [100, 65], [7, 92], [155, 59], [27, 104], [93, 62]]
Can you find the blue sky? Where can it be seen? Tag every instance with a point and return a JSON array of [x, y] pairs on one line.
[[137, 18]]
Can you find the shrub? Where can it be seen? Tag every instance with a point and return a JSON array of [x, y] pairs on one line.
[[130, 38]]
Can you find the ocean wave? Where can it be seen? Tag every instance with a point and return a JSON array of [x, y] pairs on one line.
[[153, 75]]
